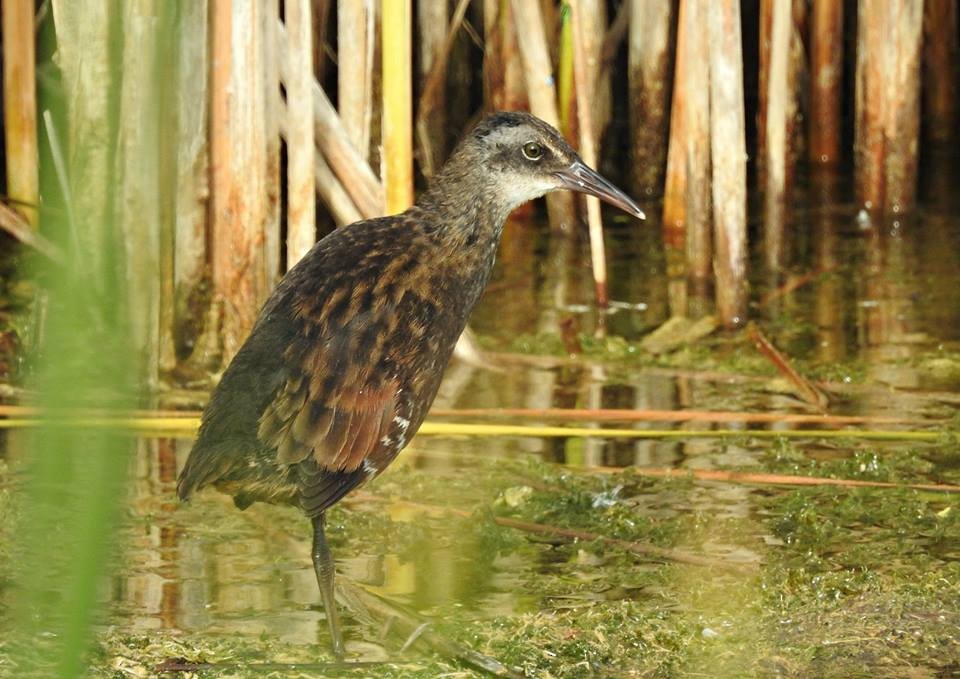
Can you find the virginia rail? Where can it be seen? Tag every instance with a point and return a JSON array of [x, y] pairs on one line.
[[348, 352]]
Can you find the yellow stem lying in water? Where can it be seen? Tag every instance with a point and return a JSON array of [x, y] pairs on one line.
[[167, 425]]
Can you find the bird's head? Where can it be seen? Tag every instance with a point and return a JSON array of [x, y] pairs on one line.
[[525, 158]]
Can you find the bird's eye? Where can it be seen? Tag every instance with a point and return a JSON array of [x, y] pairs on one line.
[[532, 151]]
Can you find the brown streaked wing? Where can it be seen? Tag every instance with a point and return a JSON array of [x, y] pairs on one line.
[[339, 432]]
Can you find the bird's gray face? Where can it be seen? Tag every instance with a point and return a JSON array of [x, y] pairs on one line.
[[528, 158]]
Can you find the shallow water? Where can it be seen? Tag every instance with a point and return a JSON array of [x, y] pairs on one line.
[[881, 323]]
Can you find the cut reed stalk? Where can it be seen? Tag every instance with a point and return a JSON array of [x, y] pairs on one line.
[[541, 92], [593, 27], [588, 150], [565, 89], [729, 158], [190, 206], [335, 197], [270, 55], [780, 106], [137, 195], [301, 154], [764, 41], [20, 107], [432, 98], [887, 103], [902, 92], [356, 25], [535, 56], [321, 21], [343, 157], [238, 169], [648, 72], [397, 123], [503, 76], [687, 199], [435, 39], [826, 77], [941, 69]]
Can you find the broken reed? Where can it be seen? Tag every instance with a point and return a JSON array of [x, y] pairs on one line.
[[252, 138]]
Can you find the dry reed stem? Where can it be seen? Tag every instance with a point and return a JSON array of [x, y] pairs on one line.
[[17, 226], [541, 91], [593, 26], [433, 98], [826, 77], [431, 120], [941, 70], [675, 177], [137, 194], [335, 197], [804, 388], [436, 39], [729, 160], [585, 93], [503, 75], [537, 66], [887, 103], [344, 159], [687, 202], [301, 154], [192, 190], [573, 414], [270, 55], [238, 169], [779, 108], [174, 426], [649, 58], [766, 479], [397, 122], [338, 153], [870, 103], [625, 415], [20, 107], [902, 124], [356, 42], [328, 186]]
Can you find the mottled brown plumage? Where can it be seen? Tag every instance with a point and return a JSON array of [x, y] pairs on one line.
[[349, 350]]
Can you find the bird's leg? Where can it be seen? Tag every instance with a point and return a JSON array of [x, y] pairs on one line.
[[324, 567]]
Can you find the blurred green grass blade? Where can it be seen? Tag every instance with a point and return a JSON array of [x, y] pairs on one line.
[[70, 499]]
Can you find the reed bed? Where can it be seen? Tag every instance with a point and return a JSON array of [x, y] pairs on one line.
[[361, 137]]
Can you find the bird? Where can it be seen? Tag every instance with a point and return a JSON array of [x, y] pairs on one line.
[[347, 353]]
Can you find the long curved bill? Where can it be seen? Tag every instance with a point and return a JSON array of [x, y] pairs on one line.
[[579, 177]]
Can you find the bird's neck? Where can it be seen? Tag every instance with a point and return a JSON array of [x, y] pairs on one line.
[[462, 210]]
